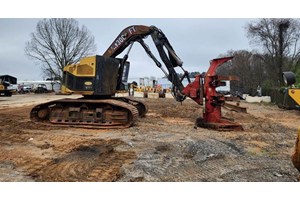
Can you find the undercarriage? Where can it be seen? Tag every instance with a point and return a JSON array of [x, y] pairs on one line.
[[93, 113]]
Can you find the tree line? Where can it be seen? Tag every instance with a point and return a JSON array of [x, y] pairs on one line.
[[60, 42], [277, 50]]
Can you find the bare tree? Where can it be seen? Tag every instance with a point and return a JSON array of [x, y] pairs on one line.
[[248, 66], [57, 43], [279, 39]]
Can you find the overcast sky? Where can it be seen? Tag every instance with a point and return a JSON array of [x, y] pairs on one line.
[[196, 42]]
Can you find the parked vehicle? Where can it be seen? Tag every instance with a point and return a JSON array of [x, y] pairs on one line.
[[41, 88]]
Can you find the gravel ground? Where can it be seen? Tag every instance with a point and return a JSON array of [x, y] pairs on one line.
[[164, 146]]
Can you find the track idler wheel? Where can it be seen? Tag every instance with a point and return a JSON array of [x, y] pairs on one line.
[[44, 113]]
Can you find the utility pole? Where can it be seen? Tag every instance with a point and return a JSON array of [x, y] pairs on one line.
[[283, 26]]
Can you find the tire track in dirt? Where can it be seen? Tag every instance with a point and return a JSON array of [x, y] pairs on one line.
[[168, 148], [46, 153], [15, 127], [98, 162], [22, 160], [85, 162], [205, 160]]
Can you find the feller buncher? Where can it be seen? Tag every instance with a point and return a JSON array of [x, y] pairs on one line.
[[98, 78], [290, 79]]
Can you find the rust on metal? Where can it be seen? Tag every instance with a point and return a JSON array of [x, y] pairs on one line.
[[221, 125], [212, 116], [203, 91]]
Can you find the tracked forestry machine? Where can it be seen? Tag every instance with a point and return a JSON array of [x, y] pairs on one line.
[[98, 78]]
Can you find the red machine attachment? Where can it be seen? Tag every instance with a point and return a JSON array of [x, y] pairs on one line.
[[204, 87]]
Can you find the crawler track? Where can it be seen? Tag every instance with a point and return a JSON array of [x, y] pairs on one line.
[[142, 108], [92, 113]]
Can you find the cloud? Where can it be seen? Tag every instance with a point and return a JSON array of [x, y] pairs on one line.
[[196, 42]]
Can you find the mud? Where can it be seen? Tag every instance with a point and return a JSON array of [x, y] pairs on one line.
[[163, 146]]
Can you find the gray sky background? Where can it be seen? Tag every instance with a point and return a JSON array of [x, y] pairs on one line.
[[196, 42]]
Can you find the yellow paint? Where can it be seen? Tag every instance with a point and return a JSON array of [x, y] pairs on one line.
[[65, 90], [294, 93], [86, 67], [296, 155], [83, 92]]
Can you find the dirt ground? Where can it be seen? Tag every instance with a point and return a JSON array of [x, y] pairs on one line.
[[163, 146]]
